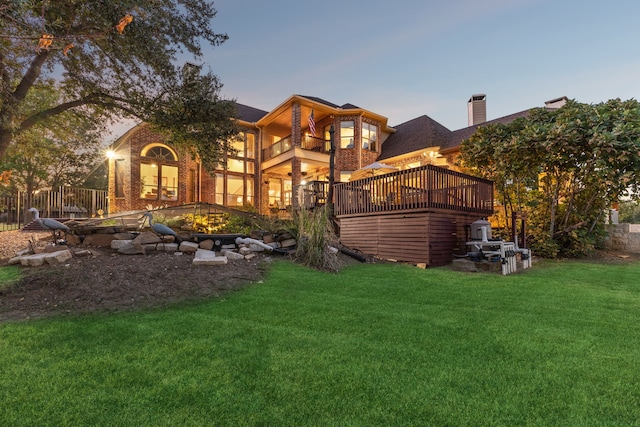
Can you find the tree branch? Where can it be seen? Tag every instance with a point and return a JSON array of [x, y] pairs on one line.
[[99, 99], [30, 76]]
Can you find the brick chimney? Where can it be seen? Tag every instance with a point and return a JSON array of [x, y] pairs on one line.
[[477, 109]]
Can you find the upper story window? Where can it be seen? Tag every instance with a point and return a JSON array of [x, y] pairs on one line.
[[244, 145], [347, 134], [241, 160], [326, 134], [369, 136]]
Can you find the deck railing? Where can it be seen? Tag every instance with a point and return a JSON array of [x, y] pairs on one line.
[[311, 143], [277, 148], [423, 187]]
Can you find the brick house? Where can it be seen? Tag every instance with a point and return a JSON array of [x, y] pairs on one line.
[[282, 152]]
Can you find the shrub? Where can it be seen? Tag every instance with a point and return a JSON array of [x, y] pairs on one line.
[[316, 238]]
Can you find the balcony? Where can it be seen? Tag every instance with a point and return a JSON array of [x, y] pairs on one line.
[[310, 143]]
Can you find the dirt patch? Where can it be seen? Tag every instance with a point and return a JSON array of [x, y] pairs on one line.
[[111, 282]]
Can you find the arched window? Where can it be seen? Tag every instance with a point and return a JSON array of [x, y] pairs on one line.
[[158, 173]]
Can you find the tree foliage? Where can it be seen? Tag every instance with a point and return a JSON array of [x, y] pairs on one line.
[[111, 58], [564, 167], [54, 156]]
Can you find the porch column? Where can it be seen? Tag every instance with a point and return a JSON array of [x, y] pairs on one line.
[[296, 177], [296, 127]]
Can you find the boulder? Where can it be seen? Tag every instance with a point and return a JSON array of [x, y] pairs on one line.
[[51, 258], [58, 257], [188, 247], [207, 244], [124, 236], [146, 238]]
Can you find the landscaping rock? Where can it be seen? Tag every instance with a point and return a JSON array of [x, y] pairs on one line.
[[146, 238], [188, 247], [288, 243], [207, 244], [245, 250], [53, 258], [163, 247], [231, 254], [124, 236], [117, 244], [101, 240], [58, 257], [205, 257]]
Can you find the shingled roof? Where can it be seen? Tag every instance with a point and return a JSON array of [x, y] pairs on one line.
[[418, 133], [320, 101], [249, 114], [458, 136], [424, 132]]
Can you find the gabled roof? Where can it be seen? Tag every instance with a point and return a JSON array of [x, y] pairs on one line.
[[249, 114], [416, 134]]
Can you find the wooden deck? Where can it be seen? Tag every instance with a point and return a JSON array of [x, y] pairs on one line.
[[419, 215], [425, 187]]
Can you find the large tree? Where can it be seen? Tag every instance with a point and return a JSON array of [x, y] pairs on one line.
[[113, 58], [564, 167], [50, 156]]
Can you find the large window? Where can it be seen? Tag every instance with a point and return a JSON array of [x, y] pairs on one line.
[[347, 134], [235, 190], [158, 173], [369, 136], [234, 184]]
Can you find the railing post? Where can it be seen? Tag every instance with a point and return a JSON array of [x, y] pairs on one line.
[[332, 159]]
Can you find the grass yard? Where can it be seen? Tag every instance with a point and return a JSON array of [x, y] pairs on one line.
[[376, 345]]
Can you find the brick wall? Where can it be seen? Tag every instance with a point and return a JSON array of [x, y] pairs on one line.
[[129, 150]]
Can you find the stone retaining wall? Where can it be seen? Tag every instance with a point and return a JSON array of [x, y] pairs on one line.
[[623, 238]]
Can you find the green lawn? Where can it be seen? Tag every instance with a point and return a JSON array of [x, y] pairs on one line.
[[376, 345]]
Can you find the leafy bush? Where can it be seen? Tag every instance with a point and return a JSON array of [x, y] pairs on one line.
[[543, 246]]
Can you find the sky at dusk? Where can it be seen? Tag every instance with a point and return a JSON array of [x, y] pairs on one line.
[[407, 58]]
